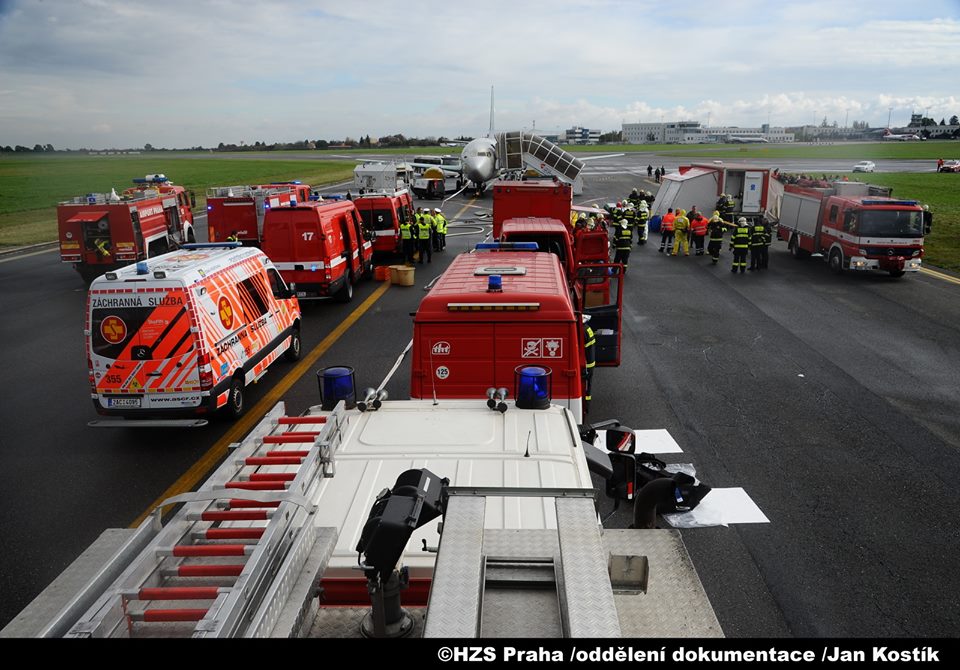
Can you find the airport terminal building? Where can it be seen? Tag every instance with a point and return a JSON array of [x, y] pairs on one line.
[[691, 132]]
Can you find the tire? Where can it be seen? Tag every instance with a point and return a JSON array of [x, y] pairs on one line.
[[345, 294], [897, 273], [236, 403], [836, 261], [796, 251], [191, 238], [293, 352]]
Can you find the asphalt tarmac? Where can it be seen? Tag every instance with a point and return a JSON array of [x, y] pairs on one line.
[[830, 399]]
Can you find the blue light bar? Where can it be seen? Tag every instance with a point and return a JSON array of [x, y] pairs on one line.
[[532, 387], [336, 384], [906, 203], [509, 246]]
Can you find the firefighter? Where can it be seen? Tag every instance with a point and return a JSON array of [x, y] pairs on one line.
[[726, 205], [643, 217], [765, 251], [635, 197], [666, 230], [698, 229], [424, 234], [740, 241], [622, 239], [649, 171], [715, 229], [233, 237], [441, 228], [681, 227], [590, 360], [758, 234], [406, 240]]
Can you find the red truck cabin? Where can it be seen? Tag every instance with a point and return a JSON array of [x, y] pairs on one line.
[[537, 197], [383, 214], [551, 236], [320, 248], [467, 338], [239, 210]]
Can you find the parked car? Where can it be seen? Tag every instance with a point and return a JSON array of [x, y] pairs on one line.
[[864, 166], [950, 166]]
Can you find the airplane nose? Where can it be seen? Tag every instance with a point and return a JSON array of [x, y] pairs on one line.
[[477, 169]]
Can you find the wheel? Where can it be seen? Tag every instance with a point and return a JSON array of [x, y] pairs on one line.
[[897, 273], [795, 249], [836, 261], [235, 403], [293, 351], [345, 294]]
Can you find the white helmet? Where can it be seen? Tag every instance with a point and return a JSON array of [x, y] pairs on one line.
[[436, 209], [742, 220]]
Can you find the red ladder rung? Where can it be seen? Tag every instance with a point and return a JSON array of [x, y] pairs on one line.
[[210, 550], [239, 503], [235, 515], [158, 616], [257, 486], [280, 454], [234, 533], [287, 438], [295, 420], [179, 593], [209, 570], [273, 460], [273, 476]]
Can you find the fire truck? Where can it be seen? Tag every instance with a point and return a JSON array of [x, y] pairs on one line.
[[853, 226], [383, 212], [321, 248], [542, 198], [327, 524], [105, 231], [238, 211], [496, 310]]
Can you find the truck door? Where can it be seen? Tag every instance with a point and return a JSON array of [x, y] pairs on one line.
[[363, 237], [752, 193], [599, 293], [351, 246]]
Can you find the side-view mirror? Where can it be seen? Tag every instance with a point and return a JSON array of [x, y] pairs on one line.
[[193, 199]]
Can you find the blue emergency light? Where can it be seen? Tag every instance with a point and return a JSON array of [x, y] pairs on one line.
[[508, 246], [142, 268], [532, 387], [336, 384], [495, 284]]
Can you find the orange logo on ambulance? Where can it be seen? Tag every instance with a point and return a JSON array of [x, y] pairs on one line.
[[113, 329], [226, 312]]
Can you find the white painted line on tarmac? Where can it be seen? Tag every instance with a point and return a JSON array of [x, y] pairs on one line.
[[35, 253]]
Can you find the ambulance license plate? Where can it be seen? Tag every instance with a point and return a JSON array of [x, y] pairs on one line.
[[123, 402], [301, 294]]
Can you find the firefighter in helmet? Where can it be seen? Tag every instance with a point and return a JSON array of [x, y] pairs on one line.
[[740, 240], [590, 360], [622, 240]]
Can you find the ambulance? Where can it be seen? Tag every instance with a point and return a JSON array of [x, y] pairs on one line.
[[174, 338]]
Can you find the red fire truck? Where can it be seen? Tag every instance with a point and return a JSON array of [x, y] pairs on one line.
[[321, 248], [104, 231], [383, 213], [238, 211], [853, 226], [492, 312], [533, 197]]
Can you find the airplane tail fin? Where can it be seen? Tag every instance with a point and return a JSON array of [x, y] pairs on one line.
[[490, 134]]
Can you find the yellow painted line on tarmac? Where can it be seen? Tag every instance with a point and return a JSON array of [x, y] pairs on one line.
[[940, 275], [189, 479]]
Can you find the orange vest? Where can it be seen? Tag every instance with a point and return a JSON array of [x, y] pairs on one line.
[[666, 224], [698, 226]]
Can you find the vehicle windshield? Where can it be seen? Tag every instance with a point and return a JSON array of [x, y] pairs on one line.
[[890, 223]]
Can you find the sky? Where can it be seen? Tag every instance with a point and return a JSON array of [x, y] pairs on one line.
[[182, 73]]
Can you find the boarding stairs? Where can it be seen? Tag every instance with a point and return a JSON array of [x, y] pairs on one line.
[[518, 151]]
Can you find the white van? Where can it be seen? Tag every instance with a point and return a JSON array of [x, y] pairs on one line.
[[182, 334]]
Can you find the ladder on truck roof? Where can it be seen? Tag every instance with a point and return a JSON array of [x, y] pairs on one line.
[[227, 563], [521, 150]]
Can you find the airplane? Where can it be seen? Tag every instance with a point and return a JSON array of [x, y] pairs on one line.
[[479, 164], [746, 139], [906, 137]]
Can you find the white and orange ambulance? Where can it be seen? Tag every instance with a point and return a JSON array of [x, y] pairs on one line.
[[183, 334]]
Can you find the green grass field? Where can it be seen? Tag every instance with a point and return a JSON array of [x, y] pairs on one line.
[[31, 186]]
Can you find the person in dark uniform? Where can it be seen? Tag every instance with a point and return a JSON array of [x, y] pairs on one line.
[[590, 361], [740, 241], [758, 234], [623, 236]]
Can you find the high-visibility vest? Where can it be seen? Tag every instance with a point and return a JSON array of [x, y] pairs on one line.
[[405, 233], [623, 239], [441, 224], [426, 223], [741, 237], [699, 226], [757, 235], [666, 223]]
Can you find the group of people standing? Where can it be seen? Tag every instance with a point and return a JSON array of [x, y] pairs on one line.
[[755, 238], [426, 233], [657, 174]]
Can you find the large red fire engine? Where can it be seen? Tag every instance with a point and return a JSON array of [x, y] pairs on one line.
[[383, 213], [533, 197], [321, 248], [104, 231], [854, 226], [238, 211]]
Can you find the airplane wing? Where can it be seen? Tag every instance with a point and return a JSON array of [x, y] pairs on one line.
[[445, 169], [596, 158]]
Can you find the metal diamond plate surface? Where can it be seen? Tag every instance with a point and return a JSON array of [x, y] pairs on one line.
[[454, 607], [675, 604], [591, 611], [344, 622]]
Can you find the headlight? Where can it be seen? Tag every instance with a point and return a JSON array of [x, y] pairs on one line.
[[916, 252]]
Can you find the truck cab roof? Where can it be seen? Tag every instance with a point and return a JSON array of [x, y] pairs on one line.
[[187, 266]]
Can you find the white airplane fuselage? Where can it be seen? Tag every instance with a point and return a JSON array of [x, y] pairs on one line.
[[479, 161]]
